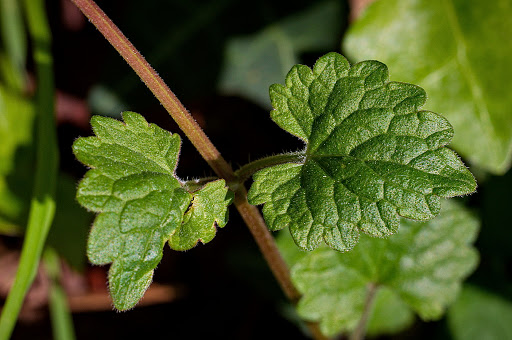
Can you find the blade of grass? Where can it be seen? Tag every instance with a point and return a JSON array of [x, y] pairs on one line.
[[42, 206], [62, 322]]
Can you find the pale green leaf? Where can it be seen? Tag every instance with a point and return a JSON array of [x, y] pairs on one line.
[[16, 127], [390, 314], [141, 203], [458, 51], [253, 62], [420, 269], [479, 315], [372, 155], [208, 210]]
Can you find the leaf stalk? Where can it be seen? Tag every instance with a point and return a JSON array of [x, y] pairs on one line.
[[360, 330], [246, 171]]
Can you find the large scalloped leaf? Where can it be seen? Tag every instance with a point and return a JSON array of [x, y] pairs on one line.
[[458, 51], [420, 269], [371, 156], [141, 203]]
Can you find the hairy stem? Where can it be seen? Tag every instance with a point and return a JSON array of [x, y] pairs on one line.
[[360, 330], [246, 171], [196, 135]]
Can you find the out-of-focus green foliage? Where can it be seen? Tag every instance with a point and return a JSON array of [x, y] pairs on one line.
[[479, 315], [458, 51], [254, 62], [419, 269]]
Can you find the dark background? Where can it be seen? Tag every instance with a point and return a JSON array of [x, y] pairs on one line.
[[228, 291]]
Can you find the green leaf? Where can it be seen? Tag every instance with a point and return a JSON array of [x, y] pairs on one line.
[[419, 269], [480, 315], [208, 211], [371, 156], [253, 62], [387, 304], [448, 48], [141, 203], [16, 157]]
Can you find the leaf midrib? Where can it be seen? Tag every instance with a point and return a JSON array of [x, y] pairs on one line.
[[467, 71]]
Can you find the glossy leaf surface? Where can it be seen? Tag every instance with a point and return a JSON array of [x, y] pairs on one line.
[[458, 51]]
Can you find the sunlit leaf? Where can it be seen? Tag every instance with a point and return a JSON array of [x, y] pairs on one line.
[[372, 155], [459, 52]]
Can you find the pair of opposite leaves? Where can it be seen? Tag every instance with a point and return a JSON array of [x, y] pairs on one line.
[[371, 156]]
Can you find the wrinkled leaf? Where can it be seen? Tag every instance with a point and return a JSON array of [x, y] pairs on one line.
[[459, 52], [141, 203], [371, 156], [253, 62], [420, 269], [208, 210], [480, 315]]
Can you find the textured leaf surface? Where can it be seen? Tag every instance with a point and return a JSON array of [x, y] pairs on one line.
[[480, 315], [208, 210], [141, 203], [372, 155], [449, 48], [419, 269]]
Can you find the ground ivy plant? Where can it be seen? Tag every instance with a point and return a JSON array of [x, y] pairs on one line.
[[371, 156]]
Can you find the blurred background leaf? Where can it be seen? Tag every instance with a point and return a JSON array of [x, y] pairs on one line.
[[458, 52], [480, 315], [420, 270], [253, 62]]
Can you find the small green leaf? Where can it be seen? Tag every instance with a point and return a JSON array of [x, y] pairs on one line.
[[421, 267], [141, 203], [372, 155], [448, 48], [208, 210], [480, 315]]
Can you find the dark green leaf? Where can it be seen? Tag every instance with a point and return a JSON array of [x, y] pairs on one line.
[[371, 155], [141, 203]]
